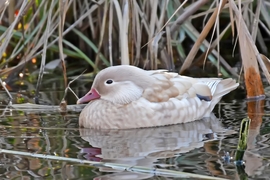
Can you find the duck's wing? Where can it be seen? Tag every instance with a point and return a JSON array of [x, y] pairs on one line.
[[168, 85]]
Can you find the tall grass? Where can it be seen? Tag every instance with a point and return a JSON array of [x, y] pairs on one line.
[[175, 35]]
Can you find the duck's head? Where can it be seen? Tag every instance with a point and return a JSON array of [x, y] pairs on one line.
[[118, 84]]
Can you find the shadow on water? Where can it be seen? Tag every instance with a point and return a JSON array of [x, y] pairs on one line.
[[205, 147]]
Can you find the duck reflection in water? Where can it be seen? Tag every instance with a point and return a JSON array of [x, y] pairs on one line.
[[144, 147]]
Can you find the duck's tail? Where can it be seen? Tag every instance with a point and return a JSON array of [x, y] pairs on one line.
[[224, 87], [219, 88]]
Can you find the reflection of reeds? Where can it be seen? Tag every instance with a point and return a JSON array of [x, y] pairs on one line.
[[115, 166]]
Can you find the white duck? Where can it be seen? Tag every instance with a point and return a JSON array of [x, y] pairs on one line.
[[124, 97]]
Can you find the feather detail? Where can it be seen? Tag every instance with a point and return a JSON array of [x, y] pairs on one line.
[[139, 98]]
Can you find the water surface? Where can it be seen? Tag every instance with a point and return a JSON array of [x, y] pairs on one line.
[[205, 147]]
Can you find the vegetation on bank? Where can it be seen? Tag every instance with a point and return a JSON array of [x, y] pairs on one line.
[[210, 37]]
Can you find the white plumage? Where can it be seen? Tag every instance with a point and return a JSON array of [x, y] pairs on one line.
[[124, 97]]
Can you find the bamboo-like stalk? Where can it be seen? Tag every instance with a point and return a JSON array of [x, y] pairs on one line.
[[36, 31], [103, 26], [63, 10], [256, 20], [202, 36], [42, 66], [192, 32], [11, 11], [29, 107], [250, 56], [138, 33], [124, 34], [34, 51], [110, 32], [148, 19]]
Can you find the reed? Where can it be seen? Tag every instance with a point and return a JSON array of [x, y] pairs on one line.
[[176, 35], [115, 166]]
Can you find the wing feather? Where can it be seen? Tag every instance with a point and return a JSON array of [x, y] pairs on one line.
[[168, 85]]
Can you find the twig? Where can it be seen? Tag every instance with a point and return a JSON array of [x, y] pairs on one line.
[[167, 23], [39, 128], [116, 166], [5, 88], [7, 108], [200, 39], [8, 34], [188, 11], [68, 88]]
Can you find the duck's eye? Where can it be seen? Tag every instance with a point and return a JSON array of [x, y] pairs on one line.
[[109, 81]]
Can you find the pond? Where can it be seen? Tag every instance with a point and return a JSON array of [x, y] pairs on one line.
[[32, 135]]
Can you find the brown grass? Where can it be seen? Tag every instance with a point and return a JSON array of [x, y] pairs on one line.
[[150, 34]]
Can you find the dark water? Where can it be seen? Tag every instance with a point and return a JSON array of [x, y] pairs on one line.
[[205, 147]]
